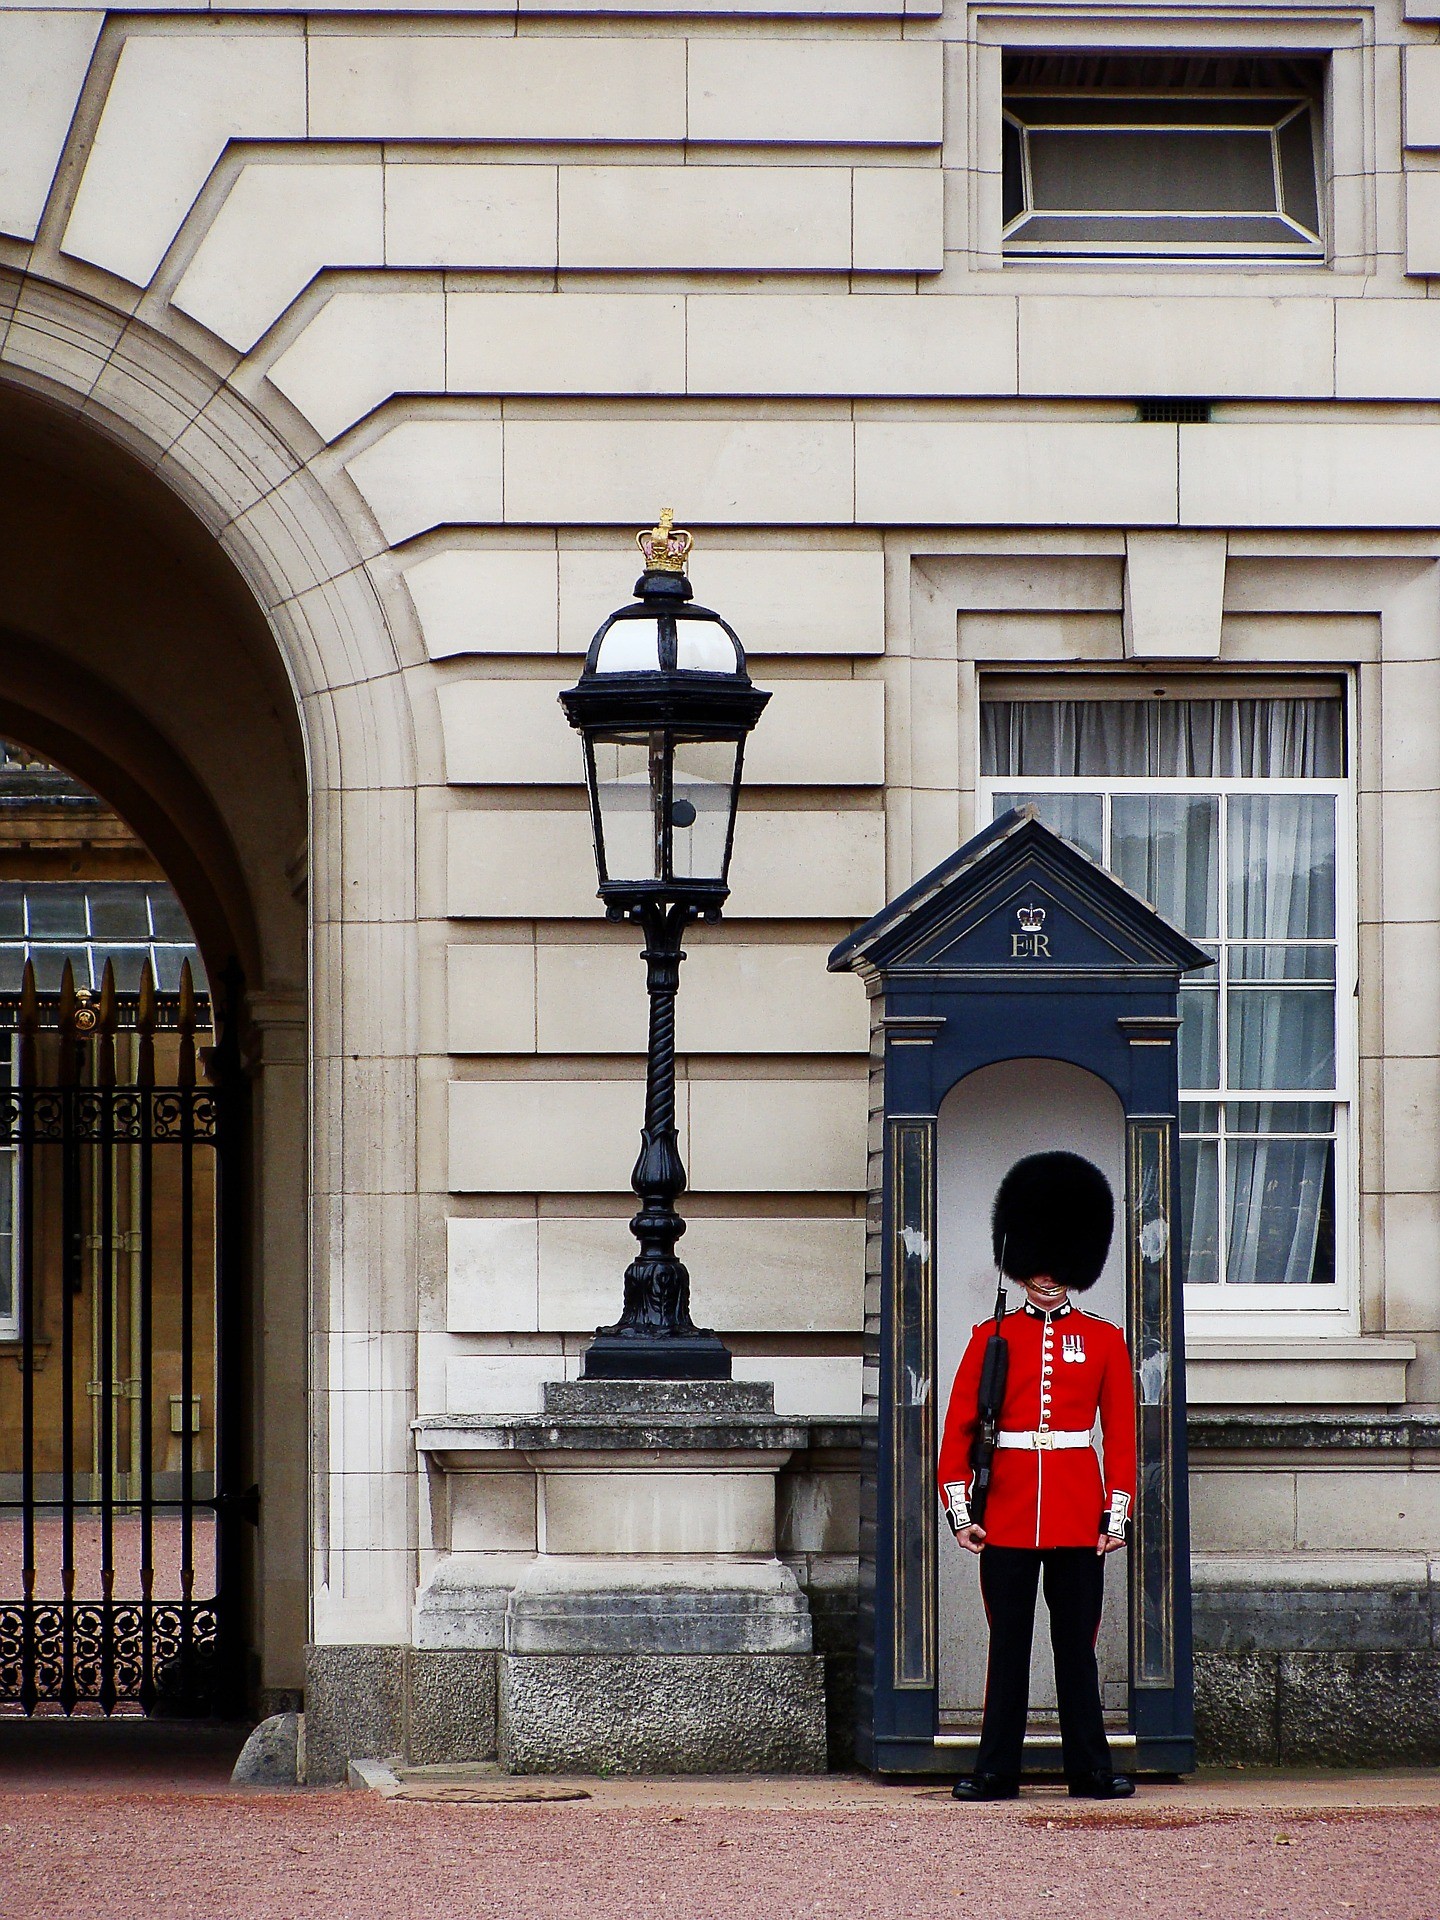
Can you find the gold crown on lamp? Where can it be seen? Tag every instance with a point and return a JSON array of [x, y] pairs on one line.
[[665, 546]]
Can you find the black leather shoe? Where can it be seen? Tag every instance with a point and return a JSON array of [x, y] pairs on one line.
[[986, 1786], [1102, 1786]]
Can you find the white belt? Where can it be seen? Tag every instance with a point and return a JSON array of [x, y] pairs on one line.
[[1041, 1442]]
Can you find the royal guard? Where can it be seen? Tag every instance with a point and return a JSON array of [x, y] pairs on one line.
[[1020, 1481]]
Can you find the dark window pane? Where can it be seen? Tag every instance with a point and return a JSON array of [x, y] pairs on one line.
[[1272, 962], [1200, 1211], [57, 913], [7, 1236], [1282, 866], [49, 962], [1296, 141], [168, 961], [1152, 169], [126, 961], [12, 969], [1281, 1213], [1074, 109], [119, 912], [169, 916], [1281, 1037], [1154, 233], [1012, 171], [1076, 817], [1166, 848], [12, 908], [1199, 1037]]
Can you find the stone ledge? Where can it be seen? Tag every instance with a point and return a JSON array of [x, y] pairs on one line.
[[1272, 1572], [1331, 1371], [1383, 1604], [449, 1438], [1387, 1433], [583, 1604], [723, 1399]]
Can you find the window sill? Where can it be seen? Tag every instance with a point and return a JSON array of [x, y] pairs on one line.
[[1240, 1370], [12, 1347]]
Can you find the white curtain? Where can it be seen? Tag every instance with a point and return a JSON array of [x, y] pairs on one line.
[[1278, 1206], [1162, 739]]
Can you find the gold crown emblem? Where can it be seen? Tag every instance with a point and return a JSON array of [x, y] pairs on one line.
[[665, 546], [1031, 919]]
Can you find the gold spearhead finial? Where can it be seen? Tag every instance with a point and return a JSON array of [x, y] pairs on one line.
[[666, 546]]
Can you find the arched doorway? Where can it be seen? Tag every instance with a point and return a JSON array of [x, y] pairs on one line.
[[157, 642]]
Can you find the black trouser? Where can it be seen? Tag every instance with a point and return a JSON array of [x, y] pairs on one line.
[[1074, 1593]]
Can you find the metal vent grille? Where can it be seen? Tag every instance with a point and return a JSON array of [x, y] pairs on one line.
[[1189, 413]]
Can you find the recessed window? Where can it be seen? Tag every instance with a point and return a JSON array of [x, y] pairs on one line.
[[1231, 817], [1120, 155]]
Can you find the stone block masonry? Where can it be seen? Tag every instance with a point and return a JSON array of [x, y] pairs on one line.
[[662, 1713], [425, 1706]]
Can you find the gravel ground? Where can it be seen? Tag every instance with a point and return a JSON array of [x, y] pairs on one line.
[[74, 1851]]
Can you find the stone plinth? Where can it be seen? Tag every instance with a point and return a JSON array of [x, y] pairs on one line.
[[616, 1552]]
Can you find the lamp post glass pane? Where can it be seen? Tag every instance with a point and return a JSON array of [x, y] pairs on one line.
[[635, 646], [627, 784], [703, 796], [664, 805], [630, 646]]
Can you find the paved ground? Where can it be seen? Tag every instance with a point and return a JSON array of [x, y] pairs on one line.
[[113, 1827], [165, 1552]]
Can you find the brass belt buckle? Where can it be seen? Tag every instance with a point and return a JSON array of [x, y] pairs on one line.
[[1044, 1442]]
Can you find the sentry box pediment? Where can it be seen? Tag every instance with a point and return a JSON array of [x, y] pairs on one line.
[[1014, 901], [1022, 998]]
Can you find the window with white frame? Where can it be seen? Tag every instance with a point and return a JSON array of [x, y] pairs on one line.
[[1232, 816], [1177, 156]]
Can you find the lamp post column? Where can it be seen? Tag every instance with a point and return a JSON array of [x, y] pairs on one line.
[[664, 705], [655, 1337]]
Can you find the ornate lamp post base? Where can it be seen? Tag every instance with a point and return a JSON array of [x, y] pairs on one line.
[[616, 1355]]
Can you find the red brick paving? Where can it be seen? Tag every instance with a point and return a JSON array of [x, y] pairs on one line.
[[165, 1553], [74, 1853]]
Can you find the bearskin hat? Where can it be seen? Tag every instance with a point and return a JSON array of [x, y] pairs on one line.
[[1054, 1213]]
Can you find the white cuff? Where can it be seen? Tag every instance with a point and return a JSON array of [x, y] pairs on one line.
[[957, 1507], [1119, 1514]]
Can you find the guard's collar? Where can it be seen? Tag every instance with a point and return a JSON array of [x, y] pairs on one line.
[[1053, 1313]]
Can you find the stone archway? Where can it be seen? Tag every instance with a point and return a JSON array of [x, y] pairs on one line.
[[189, 625]]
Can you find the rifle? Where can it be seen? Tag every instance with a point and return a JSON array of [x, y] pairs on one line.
[[994, 1372]]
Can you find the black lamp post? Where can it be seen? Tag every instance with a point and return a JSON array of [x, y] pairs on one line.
[[664, 704]]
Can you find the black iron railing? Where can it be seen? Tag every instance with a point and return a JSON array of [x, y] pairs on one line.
[[119, 1517]]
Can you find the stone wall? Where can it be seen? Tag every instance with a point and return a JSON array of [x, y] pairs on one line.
[[414, 317]]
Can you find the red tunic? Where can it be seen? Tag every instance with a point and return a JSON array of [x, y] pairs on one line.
[[1064, 1368]]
